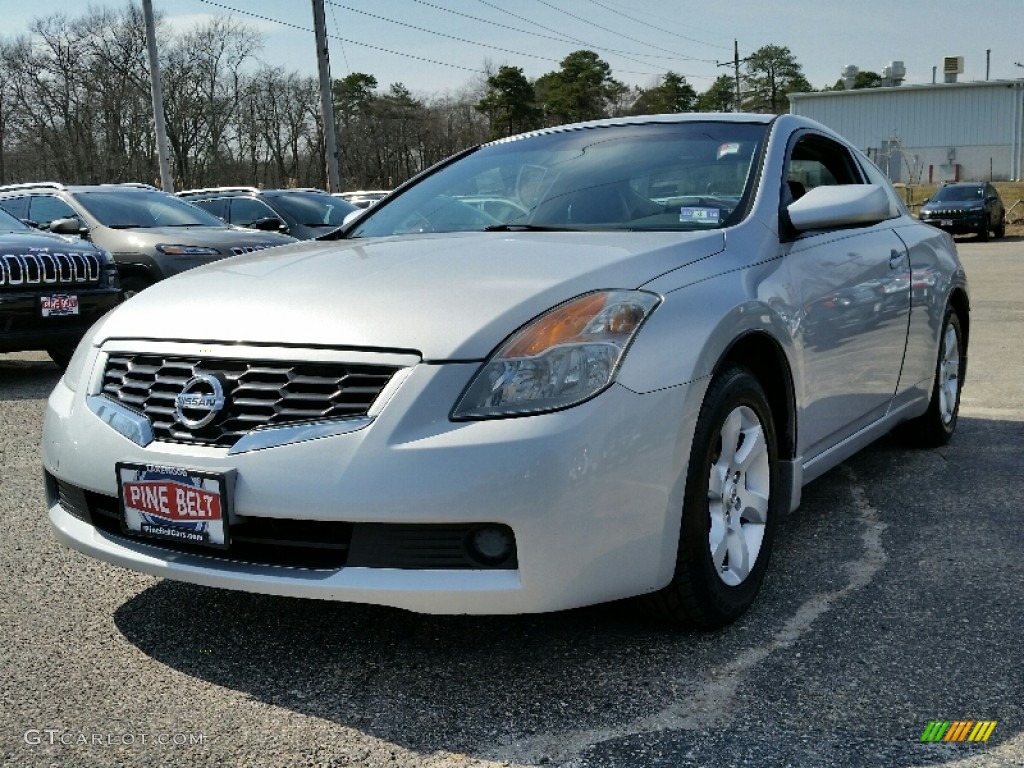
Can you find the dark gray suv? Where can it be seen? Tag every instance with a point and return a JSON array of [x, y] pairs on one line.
[[301, 213], [966, 207], [151, 234]]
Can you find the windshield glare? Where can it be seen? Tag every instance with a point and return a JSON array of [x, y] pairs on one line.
[[947, 194], [654, 176], [10, 223], [313, 209], [131, 208]]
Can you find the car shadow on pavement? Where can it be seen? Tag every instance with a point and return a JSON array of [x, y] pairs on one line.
[[485, 686], [23, 378]]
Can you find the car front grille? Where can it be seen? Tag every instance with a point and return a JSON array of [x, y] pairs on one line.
[[238, 250], [34, 270], [256, 393]]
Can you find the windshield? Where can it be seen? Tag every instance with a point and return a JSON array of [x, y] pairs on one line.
[[9, 223], [653, 176], [132, 207], [313, 209], [950, 194]]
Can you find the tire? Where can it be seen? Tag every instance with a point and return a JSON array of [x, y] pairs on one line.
[[983, 232], [936, 426], [61, 355], [134, 284], [1000, 230], [724, 548]]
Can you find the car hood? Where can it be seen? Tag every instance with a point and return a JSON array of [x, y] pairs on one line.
[[446, 297], [224, 238], [24, 241]]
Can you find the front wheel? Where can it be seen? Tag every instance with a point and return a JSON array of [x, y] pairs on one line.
[[1000, 230], [731, 507]]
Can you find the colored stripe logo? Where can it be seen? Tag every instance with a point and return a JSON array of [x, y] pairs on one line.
[[958, 730]]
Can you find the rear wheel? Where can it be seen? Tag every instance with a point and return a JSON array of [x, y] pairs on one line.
[[936, 426], [730, 508]]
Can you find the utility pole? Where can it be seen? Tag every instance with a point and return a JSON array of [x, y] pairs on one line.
[[166, 180], [326, 98], [735, 63]]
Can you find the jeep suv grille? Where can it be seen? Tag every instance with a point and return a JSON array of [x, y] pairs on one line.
[[49, 269], [256, 393]]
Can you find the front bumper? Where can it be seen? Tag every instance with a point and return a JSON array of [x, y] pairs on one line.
[[591, 493], [957, 224], [23, 327]]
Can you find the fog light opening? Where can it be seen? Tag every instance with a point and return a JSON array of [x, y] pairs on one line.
[[491, 544]]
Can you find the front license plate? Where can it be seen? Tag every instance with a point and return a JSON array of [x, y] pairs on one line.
[[58, 305], [946, 223], [173, 503]]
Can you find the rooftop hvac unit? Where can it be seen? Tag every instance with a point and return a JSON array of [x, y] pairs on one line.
[[951, 67], [849, 73]]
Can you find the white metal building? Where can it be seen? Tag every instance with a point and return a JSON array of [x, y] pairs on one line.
[[930, 133]]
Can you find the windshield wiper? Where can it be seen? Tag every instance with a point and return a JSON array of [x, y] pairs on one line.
[[527, 228]]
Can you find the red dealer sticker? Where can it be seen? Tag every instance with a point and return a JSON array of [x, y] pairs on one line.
[[173, 503]]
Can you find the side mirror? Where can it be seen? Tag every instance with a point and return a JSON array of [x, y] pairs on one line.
[[844, 205], [269, 224], [68, 226]]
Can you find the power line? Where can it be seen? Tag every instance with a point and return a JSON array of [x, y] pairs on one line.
[[344, 39], [652, 26], [559, 39], [613, 31], [576, 41], [441, 34]]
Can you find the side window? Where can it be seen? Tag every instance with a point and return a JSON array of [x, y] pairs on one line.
[[245, 210], [16, 206], [816, 161], [45, 208], [212, 206]]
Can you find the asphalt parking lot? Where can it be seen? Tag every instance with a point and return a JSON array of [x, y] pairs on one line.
[[894, 599]]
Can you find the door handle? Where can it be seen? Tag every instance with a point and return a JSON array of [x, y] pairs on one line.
[[895, 257]]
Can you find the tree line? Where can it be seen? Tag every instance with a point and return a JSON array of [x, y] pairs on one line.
[[75, 107]]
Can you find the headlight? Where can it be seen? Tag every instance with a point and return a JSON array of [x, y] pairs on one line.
[[187, 250], [565, 356]]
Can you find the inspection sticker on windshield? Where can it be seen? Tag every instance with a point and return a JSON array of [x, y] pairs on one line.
[[173, 503], [700, 215]]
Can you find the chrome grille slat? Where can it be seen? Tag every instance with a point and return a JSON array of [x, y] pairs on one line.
[[71, 268], [258, 393]]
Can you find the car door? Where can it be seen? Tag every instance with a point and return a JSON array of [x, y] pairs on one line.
[[852, 300]]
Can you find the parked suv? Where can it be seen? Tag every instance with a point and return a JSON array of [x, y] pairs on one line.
[[966, 207], [52, 289], [301, 213], [151, 234]]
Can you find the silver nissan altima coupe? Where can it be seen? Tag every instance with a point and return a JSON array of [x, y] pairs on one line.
[[591, 362]]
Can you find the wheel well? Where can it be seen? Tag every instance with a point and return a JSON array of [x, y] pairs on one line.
[[958, 300], [764, 358]]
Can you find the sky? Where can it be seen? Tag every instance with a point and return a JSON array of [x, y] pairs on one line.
[[436, 47]]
